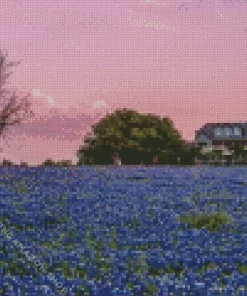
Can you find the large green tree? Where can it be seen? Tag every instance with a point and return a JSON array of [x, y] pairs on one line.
[[136, 138]]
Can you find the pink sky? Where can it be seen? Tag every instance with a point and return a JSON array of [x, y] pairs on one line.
[[186, 60]]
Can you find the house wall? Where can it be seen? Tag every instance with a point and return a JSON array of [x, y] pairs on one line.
[[220, 145]]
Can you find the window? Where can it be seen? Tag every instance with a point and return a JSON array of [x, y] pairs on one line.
[[218, 131], [237, 131], [228, 131]]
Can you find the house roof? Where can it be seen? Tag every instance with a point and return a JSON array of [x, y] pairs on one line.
[[208, 130]]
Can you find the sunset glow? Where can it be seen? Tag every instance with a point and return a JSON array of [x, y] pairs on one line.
[[186, 60]]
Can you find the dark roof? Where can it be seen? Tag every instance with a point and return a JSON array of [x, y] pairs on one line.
[[208, 130]]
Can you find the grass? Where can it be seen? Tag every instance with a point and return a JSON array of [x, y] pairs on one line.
[[133, 223], [210, 221], [242, 269], [6, 221], [82, 290], [151, 289], [207, 267]]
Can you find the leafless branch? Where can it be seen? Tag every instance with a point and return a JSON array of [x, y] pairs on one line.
[[13, 108]]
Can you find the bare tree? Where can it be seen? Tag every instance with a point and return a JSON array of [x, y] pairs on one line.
[[13, 109]]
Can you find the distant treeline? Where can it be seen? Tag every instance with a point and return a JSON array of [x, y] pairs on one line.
[[8, 163], [48, 162], [61, 163]]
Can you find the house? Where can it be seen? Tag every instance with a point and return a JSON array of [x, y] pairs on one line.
[[221, 143]]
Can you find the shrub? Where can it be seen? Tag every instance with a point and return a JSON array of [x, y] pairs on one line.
[[64, 163], [49, 162], [7, 163]]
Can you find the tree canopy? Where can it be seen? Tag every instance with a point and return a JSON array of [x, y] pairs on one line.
[[137, 138]]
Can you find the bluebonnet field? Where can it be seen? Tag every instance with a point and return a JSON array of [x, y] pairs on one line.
[[118, 231]]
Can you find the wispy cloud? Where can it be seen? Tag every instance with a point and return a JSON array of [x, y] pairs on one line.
[[37, 93], [152, 24], [59, 126]]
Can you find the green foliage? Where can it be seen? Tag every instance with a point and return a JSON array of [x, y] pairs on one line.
[[211, 221], [208, 266], [159, 272], [64, 163], [238, 151], [150, 290], [82, 291], [242, 269], [21, 187], [15, 268], [133, 223], [238, 148], [49, 162], [7, 163], [61, 163], [136, 137]]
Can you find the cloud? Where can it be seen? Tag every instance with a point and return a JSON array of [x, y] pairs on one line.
[[36, 92], [58, 125], [99, 104], [152, 24], [51, 100]]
